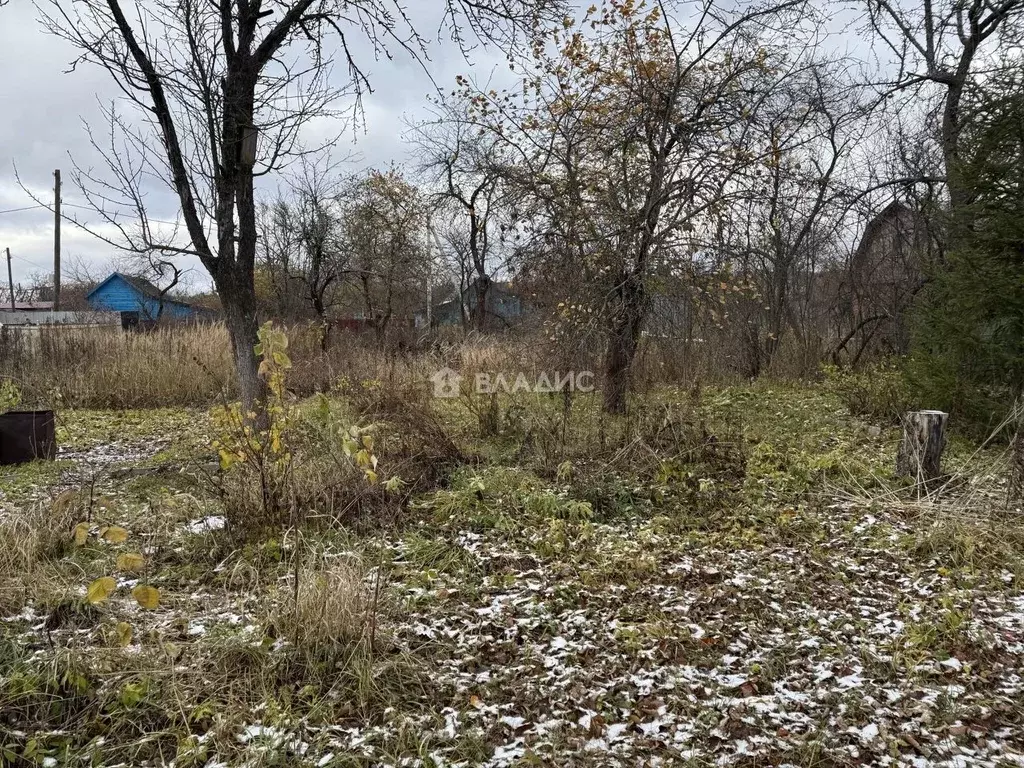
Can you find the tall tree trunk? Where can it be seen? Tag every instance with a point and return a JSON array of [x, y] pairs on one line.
[[626, 324], [239, 302], [950, 141]]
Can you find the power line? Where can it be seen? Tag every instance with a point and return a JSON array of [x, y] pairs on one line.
[[19, 210], [28, 261], [84, 208]]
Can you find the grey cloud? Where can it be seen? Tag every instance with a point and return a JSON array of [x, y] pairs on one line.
[[44, 108]]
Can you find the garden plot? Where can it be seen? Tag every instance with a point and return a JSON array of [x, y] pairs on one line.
[[509, 622]]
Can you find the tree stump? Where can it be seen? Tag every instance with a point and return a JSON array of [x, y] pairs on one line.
[[1016, 490], [924, 438]]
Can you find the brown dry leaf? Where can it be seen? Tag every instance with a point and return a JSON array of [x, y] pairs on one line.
[[131, 562], [115, 534], [81, 534], [124, 633]]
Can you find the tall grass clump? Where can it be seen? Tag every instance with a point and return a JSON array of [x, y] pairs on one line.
[[109, 368]]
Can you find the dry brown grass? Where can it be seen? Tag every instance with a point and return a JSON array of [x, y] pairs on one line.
[[108, 368], [29, 538], [333, 603], [191, 365], [176, 365]]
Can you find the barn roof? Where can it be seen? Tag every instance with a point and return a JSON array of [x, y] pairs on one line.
[[895, 214]]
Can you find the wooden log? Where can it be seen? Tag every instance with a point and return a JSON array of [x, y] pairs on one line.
[[924, 438]]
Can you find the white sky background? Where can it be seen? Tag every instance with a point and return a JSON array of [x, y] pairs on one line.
[[43, 108]]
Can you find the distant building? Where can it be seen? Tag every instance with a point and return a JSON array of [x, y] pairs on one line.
[[886, 272], [28, 306], [504, 307], [139, 301]]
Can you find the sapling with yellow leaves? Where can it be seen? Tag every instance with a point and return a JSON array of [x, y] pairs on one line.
[[261, 453]]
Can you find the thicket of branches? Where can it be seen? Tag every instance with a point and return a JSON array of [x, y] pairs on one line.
[[674, 175]]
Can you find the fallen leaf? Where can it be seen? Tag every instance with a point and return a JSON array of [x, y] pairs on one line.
[[115, 534], [81, 534], [124, 633], [131, 562], [100, 590], [146, 596]]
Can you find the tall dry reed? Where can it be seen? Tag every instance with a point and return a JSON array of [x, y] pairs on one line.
[[109, 368]]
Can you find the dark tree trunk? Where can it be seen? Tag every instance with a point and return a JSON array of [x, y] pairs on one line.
[[239, 302], [483, 284], [627, 319]]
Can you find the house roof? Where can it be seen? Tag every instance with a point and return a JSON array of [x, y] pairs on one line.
[[28, 306], [140, 284]]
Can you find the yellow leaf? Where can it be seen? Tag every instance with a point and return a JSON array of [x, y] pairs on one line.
[[368, 442], [131, 562], [115, 534], [100, 590], [146, 596], [81, 534], [371, 476], [227, 459], [124, 633]]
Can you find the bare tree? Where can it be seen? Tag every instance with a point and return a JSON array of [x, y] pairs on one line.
[[789, 212], [467, 169], [165, 275], [384, 229], [626, 139], [941, 44], [205, 77], [303, 248]]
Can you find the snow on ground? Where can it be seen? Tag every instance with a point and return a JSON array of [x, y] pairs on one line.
[[821, 634], [648, 648]]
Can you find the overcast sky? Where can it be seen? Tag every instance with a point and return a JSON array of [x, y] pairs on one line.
[[43, 108]]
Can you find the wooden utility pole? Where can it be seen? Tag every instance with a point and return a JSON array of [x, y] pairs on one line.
[[10, 278], [56, 240]]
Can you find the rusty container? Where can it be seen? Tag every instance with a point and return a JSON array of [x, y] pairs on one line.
[[26, 436]]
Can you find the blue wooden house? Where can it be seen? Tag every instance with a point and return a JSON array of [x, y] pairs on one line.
[[139, 301]]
